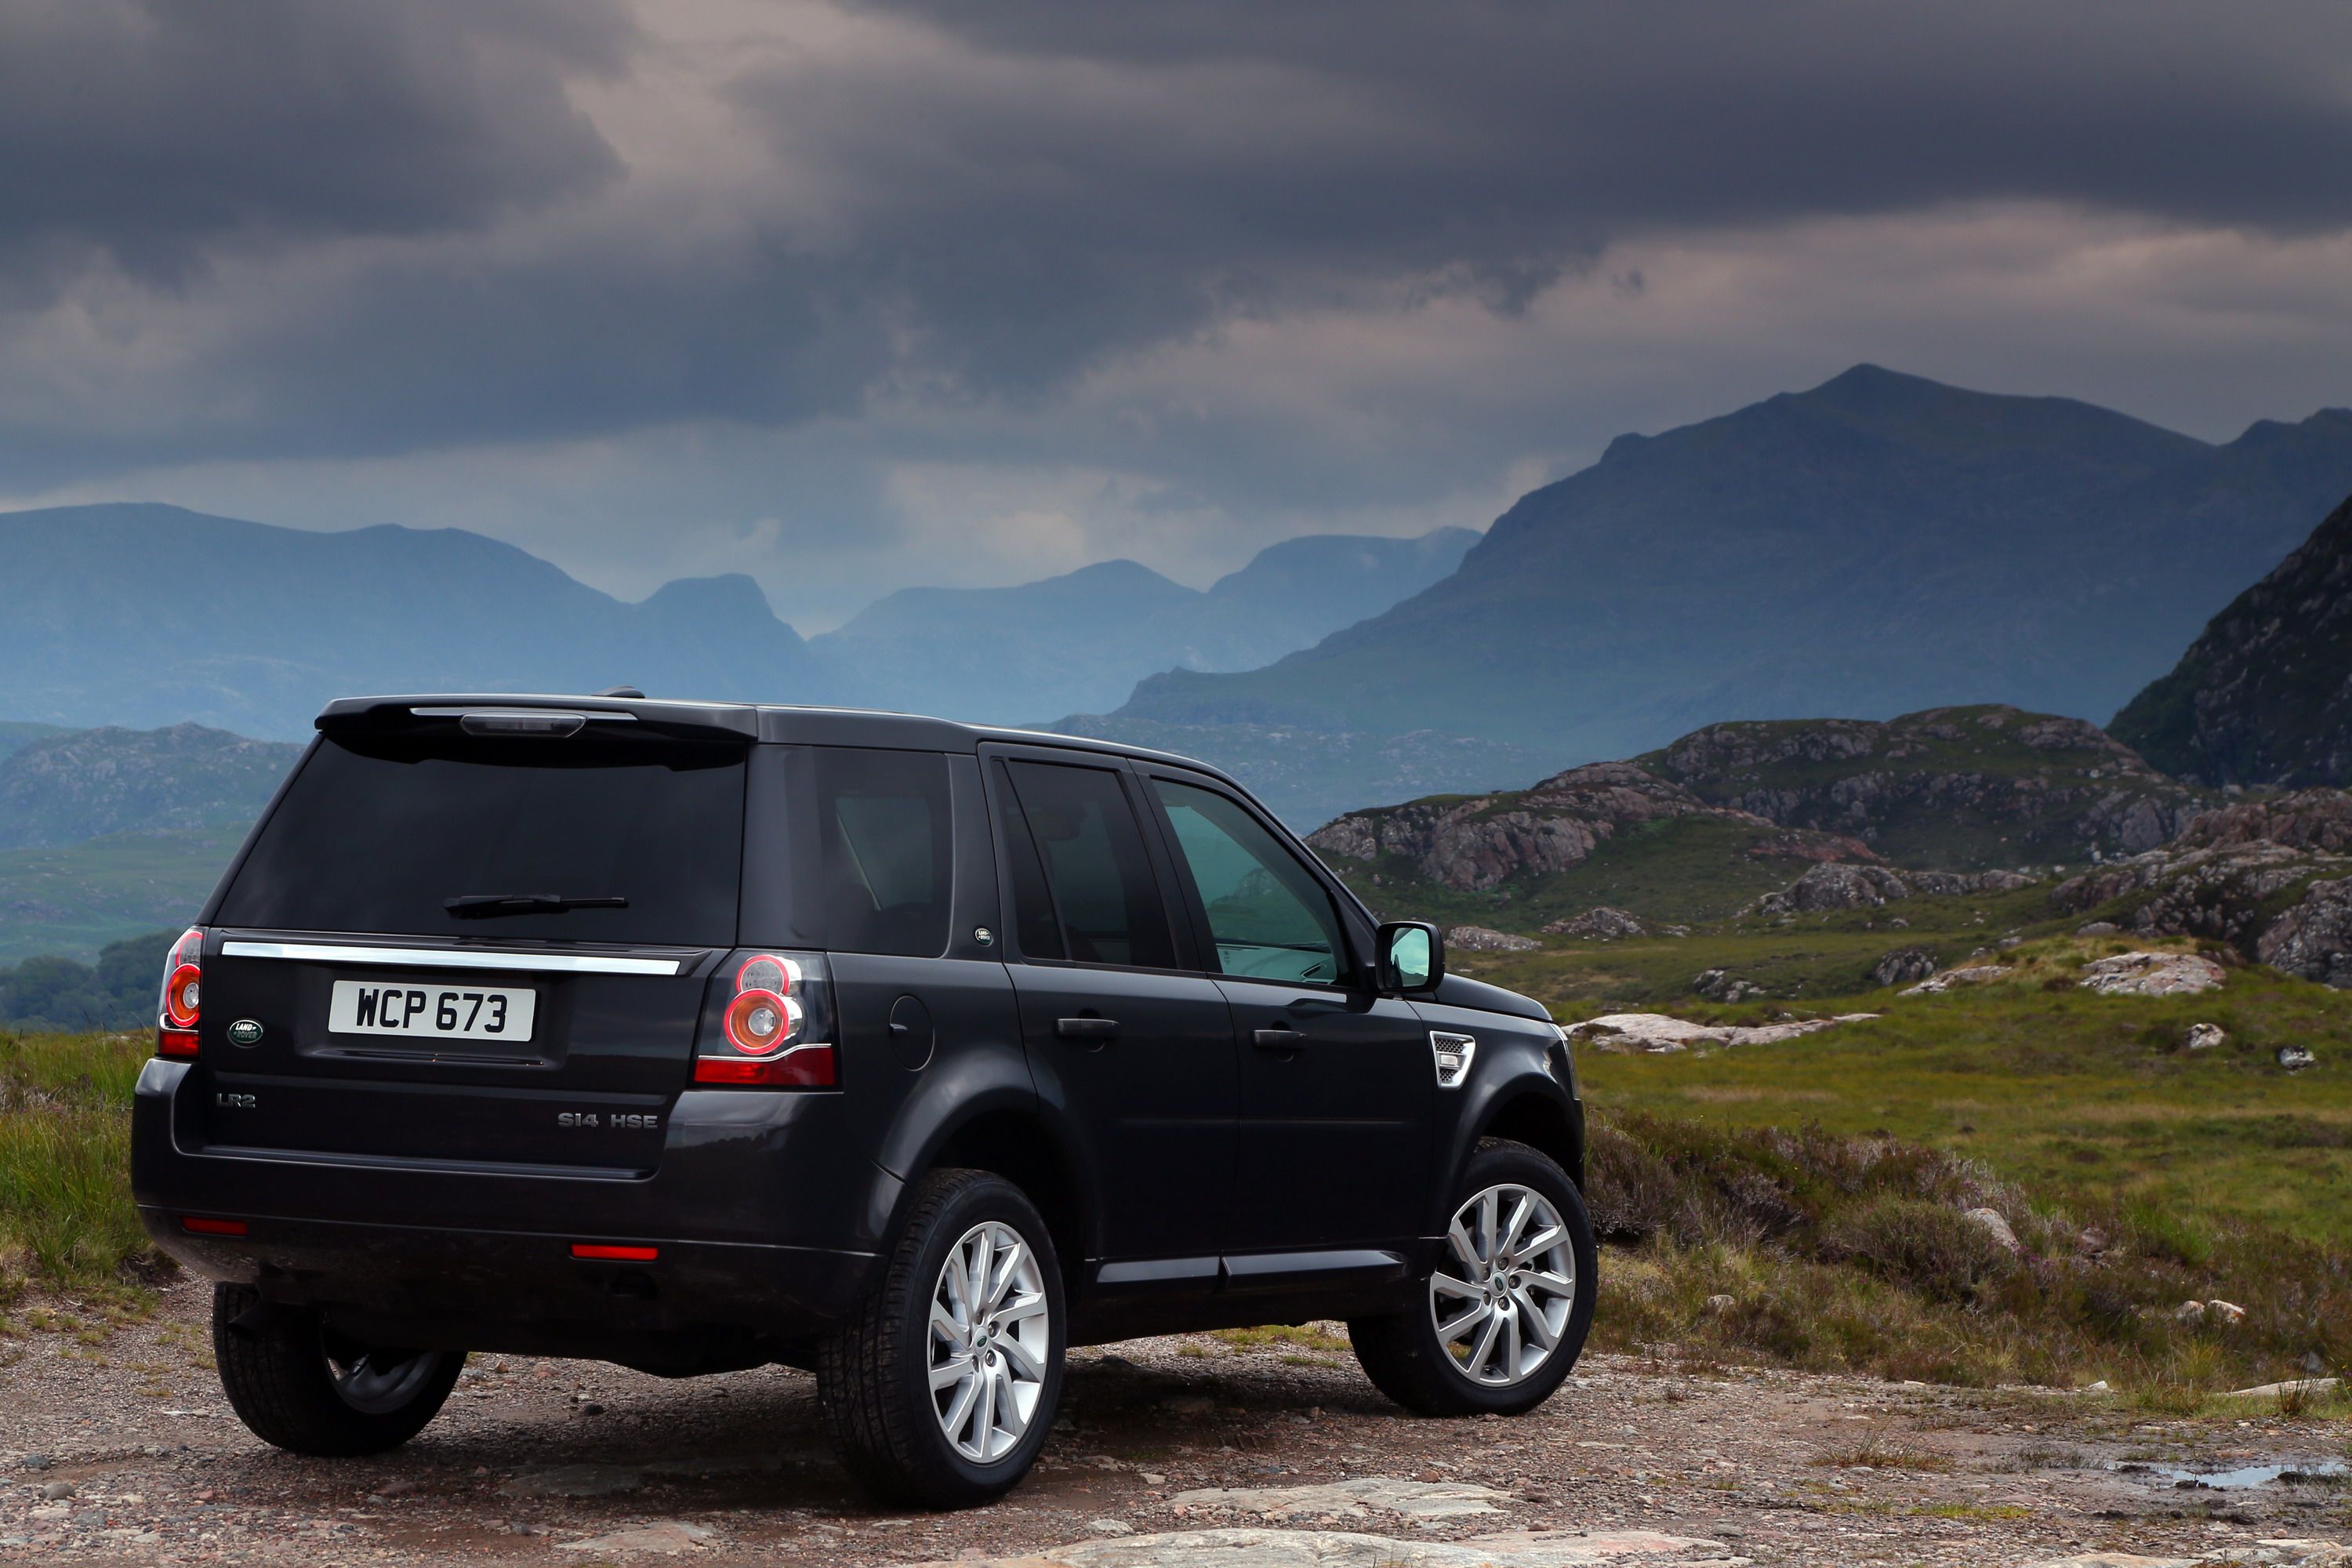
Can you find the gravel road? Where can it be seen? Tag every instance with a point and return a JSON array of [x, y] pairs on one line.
[[123, 1450]]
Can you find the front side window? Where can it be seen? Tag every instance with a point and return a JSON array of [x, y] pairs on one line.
[[1268, 917], [1105, 897]]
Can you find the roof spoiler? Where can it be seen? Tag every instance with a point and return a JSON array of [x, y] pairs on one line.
[[544, 714]]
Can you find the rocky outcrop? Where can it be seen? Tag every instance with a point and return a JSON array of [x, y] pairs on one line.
[[1601, 923], [1483, 939], [1990, 785], [1481, 842], [2313, 938], [2318, 819], [2264, 696], [2152, 974], [1661, 1032], [2233, 893], [1834, 886], [1904, 966], [2272, 877], [1968, 974]]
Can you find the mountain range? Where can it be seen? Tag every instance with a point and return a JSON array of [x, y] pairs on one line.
[[145, 616], [1078, 643], [1879, 544]]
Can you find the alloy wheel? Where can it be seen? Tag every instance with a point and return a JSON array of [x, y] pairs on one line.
[[990, 1337], [1501, 1298]]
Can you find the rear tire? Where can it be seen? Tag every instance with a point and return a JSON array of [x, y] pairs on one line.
[[1442, 1358], [938, 1393], [298, 1385]]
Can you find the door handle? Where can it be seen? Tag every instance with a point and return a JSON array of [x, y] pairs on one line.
[[1096, 1030], [1277, 1039]]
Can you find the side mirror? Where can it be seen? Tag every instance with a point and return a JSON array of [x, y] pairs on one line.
[[1412, 955]]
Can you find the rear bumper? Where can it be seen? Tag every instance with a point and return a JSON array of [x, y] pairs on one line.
[[482, 1255]]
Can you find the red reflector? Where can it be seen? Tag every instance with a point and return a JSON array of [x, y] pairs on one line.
[[212, 1227], [602, 1253], [811, 1067], [175, 1042]]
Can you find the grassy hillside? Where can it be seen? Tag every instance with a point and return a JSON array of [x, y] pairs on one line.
[[73, 901], [69, 785]]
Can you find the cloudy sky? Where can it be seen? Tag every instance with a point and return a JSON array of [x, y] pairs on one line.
[[852, 298]]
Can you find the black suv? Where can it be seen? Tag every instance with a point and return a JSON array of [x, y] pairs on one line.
[[694, 1038]]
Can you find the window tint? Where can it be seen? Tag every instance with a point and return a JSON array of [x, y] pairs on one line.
[[1267, 915], [1035, 929], [1104, 893], [877, 876], [378, 834]]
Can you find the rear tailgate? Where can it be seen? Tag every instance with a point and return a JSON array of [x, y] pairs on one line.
[[474, 936], [439, 1053]]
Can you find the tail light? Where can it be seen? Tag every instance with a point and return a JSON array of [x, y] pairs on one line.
[[176, 1009], [768, 1024]]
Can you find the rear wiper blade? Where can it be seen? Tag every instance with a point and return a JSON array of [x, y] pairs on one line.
[[483, 906]]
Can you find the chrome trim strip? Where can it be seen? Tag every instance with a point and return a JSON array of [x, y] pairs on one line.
[[452, 958]]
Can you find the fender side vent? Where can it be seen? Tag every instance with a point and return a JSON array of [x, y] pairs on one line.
[[1453, 1053]]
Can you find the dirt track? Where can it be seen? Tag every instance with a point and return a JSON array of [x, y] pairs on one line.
[[566, 1462]]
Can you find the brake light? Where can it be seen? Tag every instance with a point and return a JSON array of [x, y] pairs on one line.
[[598, 1252], [177, 1009], [773, 1027]]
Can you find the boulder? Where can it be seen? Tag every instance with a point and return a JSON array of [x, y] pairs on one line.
[[1968, 974], [1903, 966], [1994, 1225], [1599, 923], [2152, 974], [1722, 985], [1836, 885], [1484, 939]]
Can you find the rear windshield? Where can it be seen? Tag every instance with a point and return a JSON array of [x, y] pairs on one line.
[[644, 837]]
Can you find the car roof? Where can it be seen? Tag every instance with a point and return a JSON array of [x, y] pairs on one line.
[[774, 723]]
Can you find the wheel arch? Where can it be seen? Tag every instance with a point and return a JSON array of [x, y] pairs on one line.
[[1533, 1110], [1019, 1143]]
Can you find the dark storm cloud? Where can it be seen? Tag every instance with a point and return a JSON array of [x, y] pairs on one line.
[[981, 201], [145, 129]]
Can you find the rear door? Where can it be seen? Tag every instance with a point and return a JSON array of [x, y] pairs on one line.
[[1336, 1086], [451, 947], [1133, 1045]]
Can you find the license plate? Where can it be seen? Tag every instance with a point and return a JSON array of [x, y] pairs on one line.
[[431, 1012]]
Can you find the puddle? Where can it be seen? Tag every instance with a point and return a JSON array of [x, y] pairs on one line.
[[2246, 1476]]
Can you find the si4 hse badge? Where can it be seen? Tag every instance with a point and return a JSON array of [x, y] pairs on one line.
[[244, 1032]]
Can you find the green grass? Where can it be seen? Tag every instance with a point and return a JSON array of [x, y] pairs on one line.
[[65, 1159], [2061, 1090], [1841, 1253]]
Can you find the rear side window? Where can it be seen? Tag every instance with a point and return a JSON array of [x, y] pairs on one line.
[[873, 850], [384, 834], [1105, 895]]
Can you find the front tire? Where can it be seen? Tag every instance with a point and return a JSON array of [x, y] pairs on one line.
[[1503, 1312], [297, 1384], [940, 1390]]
